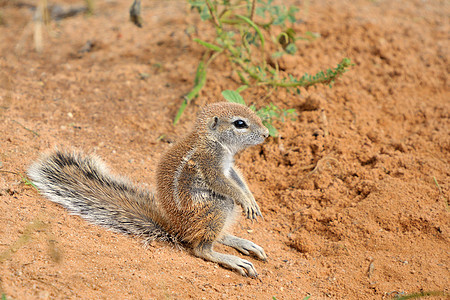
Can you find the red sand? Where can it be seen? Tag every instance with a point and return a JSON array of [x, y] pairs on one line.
[[355, 206]]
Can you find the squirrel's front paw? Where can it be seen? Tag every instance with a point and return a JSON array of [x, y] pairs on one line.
[[242, 266], [252, 210], [250, 248], [244, 246]]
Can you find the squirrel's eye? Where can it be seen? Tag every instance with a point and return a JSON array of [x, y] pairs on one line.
[[240, 124]]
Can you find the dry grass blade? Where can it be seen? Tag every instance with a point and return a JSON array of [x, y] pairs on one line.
[[22, 240], [25, 179], [30, 130], [441, 193]]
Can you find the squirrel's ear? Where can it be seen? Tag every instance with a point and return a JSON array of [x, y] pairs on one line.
[[212, 124]]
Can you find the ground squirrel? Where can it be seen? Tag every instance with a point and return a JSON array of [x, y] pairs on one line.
[[198, 188]]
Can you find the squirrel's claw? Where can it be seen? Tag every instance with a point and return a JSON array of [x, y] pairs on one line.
[[242, 266], [252, 212], [250, 270], [250, 248], [244, 246]]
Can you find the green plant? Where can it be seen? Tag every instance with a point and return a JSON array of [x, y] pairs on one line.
[[420, 295], [90, 7], [441, 193], [268, 113], [244, 33], [25, 179]]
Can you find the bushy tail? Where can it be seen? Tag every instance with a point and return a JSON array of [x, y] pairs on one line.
[[83, 184]]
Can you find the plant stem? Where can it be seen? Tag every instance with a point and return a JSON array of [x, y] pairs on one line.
[[25, 180], [32, 131], [307, 82], [252, 12], [213, 14]]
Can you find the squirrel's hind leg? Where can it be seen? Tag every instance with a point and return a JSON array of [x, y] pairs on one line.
[[244, 246], [242, 266]]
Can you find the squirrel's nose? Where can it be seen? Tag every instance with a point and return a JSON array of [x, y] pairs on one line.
[[265, 134]]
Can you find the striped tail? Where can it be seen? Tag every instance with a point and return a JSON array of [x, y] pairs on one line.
[[85, 187]]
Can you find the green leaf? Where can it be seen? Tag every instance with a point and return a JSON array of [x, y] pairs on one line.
[[242, 77], [249, 37], [291, 48], [254, 26], [291, 14], [200, 74], [260, 11], [279, 20], [199, 82], [272, 130], [291, 111], [233, 96], [205, 15], [144, 75], [241, 88], [196, 3], [208, 45], [312, 35], [277, 54]]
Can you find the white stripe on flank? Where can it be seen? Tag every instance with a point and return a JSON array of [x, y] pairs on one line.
[[185, 159]]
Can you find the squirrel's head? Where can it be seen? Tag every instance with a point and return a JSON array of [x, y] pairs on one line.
[[233, 125]]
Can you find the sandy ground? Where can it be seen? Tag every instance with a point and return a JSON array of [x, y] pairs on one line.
[[355, 205]]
